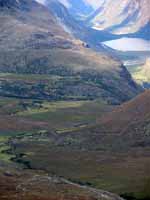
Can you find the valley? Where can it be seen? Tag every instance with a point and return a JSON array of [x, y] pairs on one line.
[[74, 100]]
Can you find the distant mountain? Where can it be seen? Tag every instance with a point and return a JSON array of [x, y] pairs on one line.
[[128, 17], [131, 16]]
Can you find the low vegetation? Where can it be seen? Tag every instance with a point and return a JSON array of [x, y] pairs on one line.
[[59, 141]]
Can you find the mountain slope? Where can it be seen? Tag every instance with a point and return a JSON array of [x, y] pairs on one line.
[[142, 74], [125, 128], [79, 9], [20, 23], [143, 32], [128, 125], [34, 42], [77, 27]]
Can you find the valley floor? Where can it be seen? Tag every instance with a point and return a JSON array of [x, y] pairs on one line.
[[36, 142]]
